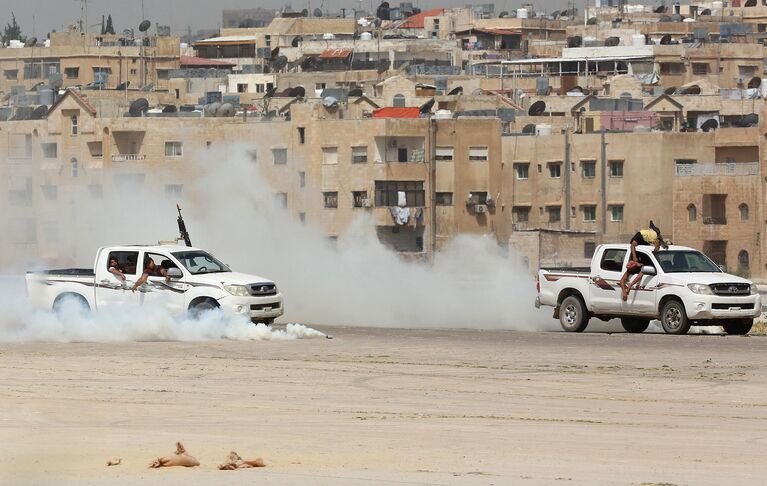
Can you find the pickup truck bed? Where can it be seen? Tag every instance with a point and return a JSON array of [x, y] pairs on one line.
[[67, 272]]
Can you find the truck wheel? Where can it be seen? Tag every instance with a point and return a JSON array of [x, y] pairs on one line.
[[58, 304], [572, 314], [635, 324], [673, 318], [739, 327], [197, 309]]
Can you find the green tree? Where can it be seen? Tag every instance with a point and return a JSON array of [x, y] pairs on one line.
[[109, 29], [12, 31]]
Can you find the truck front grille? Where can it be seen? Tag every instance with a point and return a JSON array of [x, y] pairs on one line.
[[271, 305], [732, 306], [731, 288], [262, 289]]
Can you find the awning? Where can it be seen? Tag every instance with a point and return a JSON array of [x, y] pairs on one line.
[[391, 112], [335, 53]]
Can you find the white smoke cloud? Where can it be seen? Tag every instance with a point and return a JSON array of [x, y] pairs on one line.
[[229, 211]]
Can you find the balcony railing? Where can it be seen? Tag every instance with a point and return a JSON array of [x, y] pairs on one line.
[[128, 157], [714, 220], [726, 168]]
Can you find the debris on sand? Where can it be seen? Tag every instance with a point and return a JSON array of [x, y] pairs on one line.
[[234, 461], [114, 461], [179, 458]]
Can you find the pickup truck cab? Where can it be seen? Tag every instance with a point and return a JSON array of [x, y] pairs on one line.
[[681, 287], [197, 282]]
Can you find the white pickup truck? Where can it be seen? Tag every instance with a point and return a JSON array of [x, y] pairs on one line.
[[197, 282], [681, 287]]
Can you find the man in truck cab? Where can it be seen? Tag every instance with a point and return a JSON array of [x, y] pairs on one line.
[[650, 237], [151, 269]]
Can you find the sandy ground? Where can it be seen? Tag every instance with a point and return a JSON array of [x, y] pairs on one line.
[[376, 406]]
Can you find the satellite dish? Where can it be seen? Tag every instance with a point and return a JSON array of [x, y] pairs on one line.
[[275, 52], [574, 41], [426, 107], [225, 110], [537, 108], [144, 25], [503, 14], [317, 12], [670, 91], [296, 41], [750, 120], [706, 11], [554, 14], [690, 90], [330, 102], [513, 14], [138, 107], [755, 82], [458, 90], [280, 62], [478, 92], [210, 109], [612, 41], [31, 42], [304, 13], [659, 9], [591, 21], [576, 89], [709, 125], [665, 40], [529, 128], [356, 92], [297, 92], [677, 18], [750, 3], [664, 18], [169, 109], [285, 93], [39, 112], [122, 86]]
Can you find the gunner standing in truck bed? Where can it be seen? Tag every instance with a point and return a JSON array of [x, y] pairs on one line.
[[651, 237]]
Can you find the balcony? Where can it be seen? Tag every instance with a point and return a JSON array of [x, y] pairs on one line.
[[719, 169], [714, 220], [128, 157]]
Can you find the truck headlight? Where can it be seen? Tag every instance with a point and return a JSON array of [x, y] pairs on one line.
[[700, 288], [237, 290], [754, 290]]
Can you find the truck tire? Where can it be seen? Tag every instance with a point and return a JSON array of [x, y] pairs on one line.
[[673, 318], [635, 324], [200, 307], [59, 302], [573, 315], [738, 327]]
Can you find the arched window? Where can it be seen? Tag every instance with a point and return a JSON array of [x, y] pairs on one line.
[[74, 125], [399, 101], [743, 262], [743, 212], [692, 213], [75, 167]]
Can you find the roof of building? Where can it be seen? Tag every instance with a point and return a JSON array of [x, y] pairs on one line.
[[201, 61], [391, 112], [417, 21], [491, 31], [228, 39], [335, 53], [78, 97]]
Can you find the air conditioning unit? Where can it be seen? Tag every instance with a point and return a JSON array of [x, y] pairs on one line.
[[480, 208], [366, 203]]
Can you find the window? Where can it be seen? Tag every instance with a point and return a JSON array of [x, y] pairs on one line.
[[359, 155], [520, 214], [616, 168], [242, 87], [329, 155], [555, 213], [477, 198], [330, 199], [692, 213], [260, 88], [360, 199], [75, 168], [387, 193], [444, 153], [301, 135], [127, 260], [589, 212], [743, 208], [95, 149], [588, 249], [134, 71], [398, 101], [174, 191], [522, 171], [11, 74], [173, 149], [700, 68], [743, 262], [280, 156], [555, 170], [165, 74], [50, 150], [319, 86], [477, 153], [746, 71], [302, 179], [20, 191], [589, 169], [73, 125], [268, 40], [612, 260], [443, 199], [19, 145], [302, 217], [616, 213], [72, 72], [671, 68], [281, 200], [50, 192]]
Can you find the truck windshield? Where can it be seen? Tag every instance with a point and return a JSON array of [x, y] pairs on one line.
[[199, 262], [685, 261]]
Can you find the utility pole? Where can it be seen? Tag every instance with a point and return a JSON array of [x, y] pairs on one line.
[[603, 184], [566, 168]]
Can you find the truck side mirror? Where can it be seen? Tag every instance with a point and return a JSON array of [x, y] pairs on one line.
[[649, 270], [175, 272], [722, 268]]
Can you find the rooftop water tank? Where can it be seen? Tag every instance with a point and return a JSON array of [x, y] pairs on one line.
[[522, 13], [366, 36]]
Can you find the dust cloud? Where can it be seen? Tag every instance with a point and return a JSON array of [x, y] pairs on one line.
[[230, 211]]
